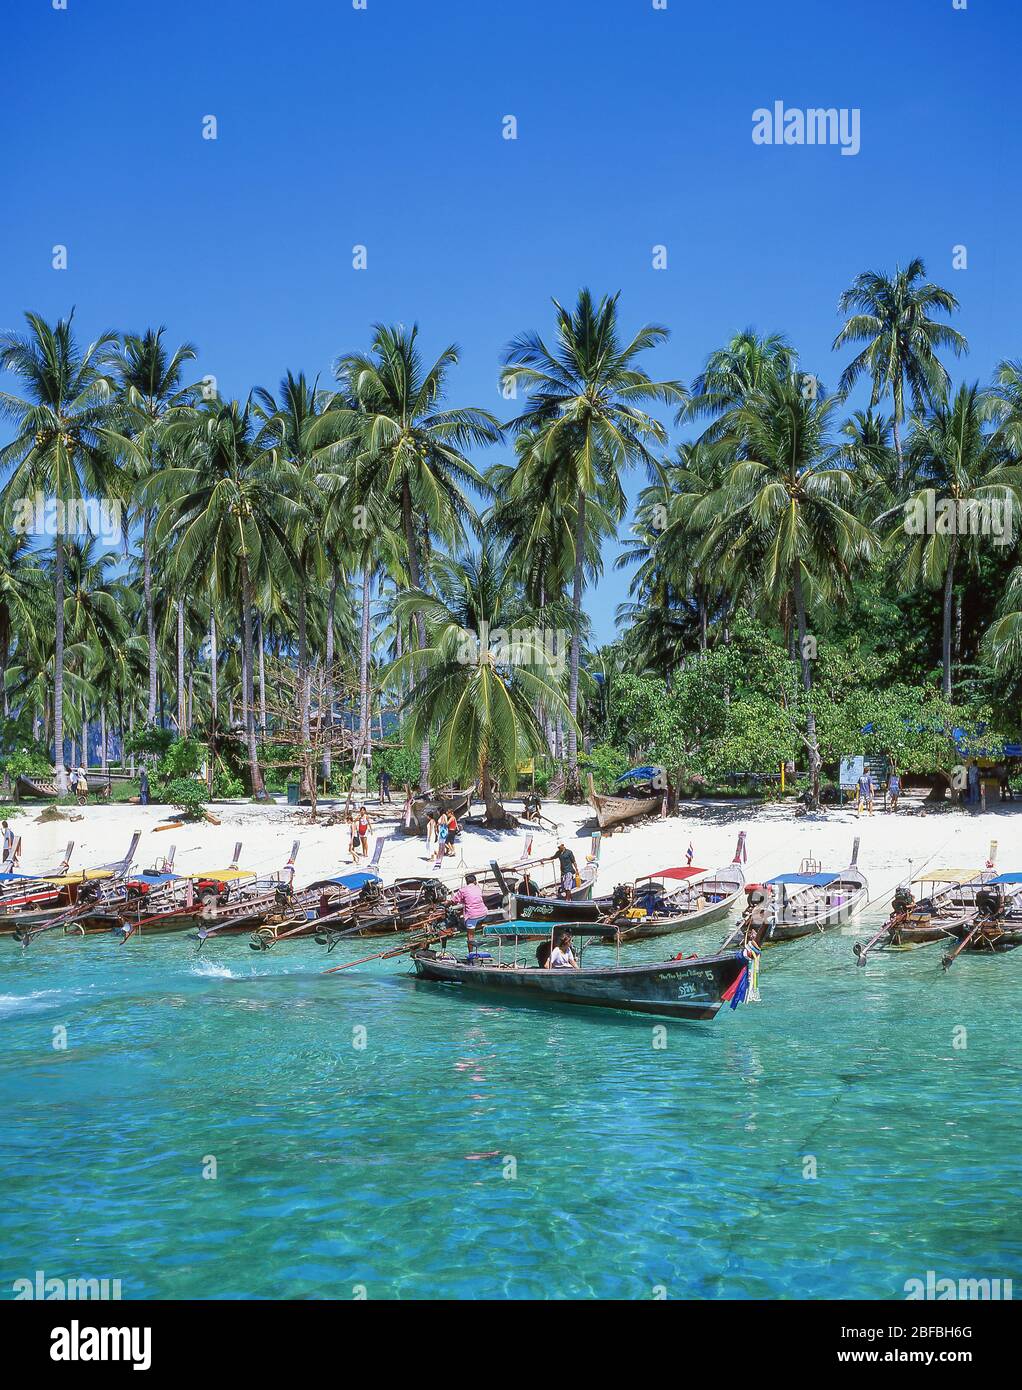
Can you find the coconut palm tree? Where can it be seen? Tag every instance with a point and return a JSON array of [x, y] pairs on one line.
[[893, 316], [784, 511], [228, 503], [964, 473], [481, 676], [22, 596], [742, 365], [63, 447], [583, 403], [150, 396], [411, 445]]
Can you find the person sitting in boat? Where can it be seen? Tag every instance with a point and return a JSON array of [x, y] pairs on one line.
[[324, 909], [527, 887], [569, 868], [562, 957], [543, 954]]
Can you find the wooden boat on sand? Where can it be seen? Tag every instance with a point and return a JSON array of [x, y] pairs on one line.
[[629, 806], [418, 810], [692, 989]]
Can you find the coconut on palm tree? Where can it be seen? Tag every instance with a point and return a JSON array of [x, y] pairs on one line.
[[482, 680], [62, 450], [894, 316], [411, 445], [968, 486], [583, 405], [784, 512]]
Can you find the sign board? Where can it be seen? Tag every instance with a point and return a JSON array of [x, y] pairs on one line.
[[850, 772]]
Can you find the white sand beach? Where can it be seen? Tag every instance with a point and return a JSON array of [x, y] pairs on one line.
[[893, 846]]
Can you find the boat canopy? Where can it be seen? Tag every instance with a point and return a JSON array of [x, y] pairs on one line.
[[804, 880], [638, 774], [358, 879], [948, 876], [10, 878], [86, 875], [536, 928], [689, 871], [1008, 878], [223, 875], [152, 877]]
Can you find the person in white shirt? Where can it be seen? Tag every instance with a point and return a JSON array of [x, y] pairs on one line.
[[562, 956], [8, 846]]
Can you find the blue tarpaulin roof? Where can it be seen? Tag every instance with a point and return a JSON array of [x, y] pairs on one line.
[[637, 774], [808, 880], [9, 878], [155, 879], [358, 879], [1007, 878]]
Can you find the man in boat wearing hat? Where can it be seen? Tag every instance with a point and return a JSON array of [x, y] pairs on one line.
[[569, 868]]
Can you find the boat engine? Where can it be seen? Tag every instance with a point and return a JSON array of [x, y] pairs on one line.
[[622, 896], [988, 904], [370, 893], [902, 900], [433, 891]]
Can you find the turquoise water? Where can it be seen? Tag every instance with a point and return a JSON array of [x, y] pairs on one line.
[[386, 1169]]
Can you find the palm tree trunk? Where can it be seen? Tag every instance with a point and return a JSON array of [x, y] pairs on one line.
[[212, 664], [949, 592], [262, 678], [58, 663], [364, 718], [414, 575], [103, 758], [572, 786], [150, 615], [329, 682], [181, 713], [255, 772], [807, 685]]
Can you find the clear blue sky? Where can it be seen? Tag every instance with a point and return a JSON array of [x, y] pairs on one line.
[[383, 127]]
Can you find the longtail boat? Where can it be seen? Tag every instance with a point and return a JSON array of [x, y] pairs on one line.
[[656, 908], [692, 989], [629, 806], [793, 905], [996, 924], [409, 904], [238, 900], [324, 907], [417, 810], [15, 883], [943, 899], [61, 898]]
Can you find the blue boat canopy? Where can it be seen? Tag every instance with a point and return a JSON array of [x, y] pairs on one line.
[[807, 880], [1008, 878], [638, 774], [9, 878], [358, 879], [157, 880]]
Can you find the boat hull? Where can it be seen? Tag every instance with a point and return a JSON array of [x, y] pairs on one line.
[[691, 989], [791, 925], [649, 927]]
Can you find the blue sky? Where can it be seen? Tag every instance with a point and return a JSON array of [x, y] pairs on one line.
[[382, 127]]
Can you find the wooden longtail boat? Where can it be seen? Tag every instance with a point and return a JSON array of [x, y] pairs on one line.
[[236, 900], [60, 899], [418, 811], [996, 925], [15, 883], [329, 905], [794, 905], [943, 899], [657, 909], [692, 989], [618, 810], [37, 788]]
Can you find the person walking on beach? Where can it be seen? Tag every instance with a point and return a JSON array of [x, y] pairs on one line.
[[431, 836], [143, 788], [441, 839], [354, 843], [864, 792], [363, 825], [568, 866], [8, 859], [384, 787], [893, 789], [83, 786], [452, 831]]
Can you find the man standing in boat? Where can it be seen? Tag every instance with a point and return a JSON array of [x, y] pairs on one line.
[[473, 907], [569, 868]]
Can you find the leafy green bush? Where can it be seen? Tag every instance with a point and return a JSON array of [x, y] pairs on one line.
[[30, 761], [182, 758], [606, 763], [148, 740], [187, 795]]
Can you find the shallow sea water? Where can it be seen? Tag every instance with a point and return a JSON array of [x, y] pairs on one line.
[[476, 1149]]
